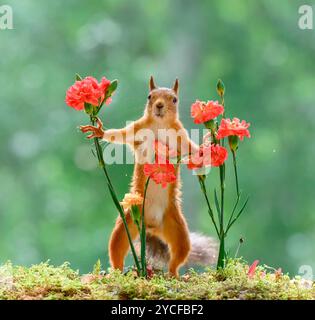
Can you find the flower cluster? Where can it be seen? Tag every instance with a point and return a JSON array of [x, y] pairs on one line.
[[215, 154]]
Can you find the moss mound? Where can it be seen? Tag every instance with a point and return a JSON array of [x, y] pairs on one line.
[[44, 281]]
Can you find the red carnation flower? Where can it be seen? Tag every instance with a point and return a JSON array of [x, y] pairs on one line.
[[87, 90], [213, 155], [233, 128], [160, 173], [203, 112], [218, 155], [200, 159]]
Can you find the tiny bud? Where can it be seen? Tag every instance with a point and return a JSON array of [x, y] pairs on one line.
[[233, 142], [220, 88], [242, 240]]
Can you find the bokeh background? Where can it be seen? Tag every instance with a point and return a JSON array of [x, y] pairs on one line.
[[53, 200]]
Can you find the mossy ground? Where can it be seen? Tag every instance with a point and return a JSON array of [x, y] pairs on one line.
[[44, 281]]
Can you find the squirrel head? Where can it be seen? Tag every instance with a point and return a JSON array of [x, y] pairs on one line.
[[162, 104]]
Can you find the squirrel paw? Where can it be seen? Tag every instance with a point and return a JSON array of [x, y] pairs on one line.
[[96, 132]]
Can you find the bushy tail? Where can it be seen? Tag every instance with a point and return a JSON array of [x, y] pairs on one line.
[[204, 251]]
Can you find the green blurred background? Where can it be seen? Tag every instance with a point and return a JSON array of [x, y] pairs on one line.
[[53, 200]]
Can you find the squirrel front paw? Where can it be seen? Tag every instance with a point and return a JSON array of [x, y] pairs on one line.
[[96, 132]]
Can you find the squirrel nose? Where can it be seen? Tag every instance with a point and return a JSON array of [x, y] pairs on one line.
[[160, 105]]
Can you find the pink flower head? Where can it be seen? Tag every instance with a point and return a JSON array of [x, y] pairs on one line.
[[233, 128], [204, 111], [87, 90], [252, 269], [160, 173], [208, 155]]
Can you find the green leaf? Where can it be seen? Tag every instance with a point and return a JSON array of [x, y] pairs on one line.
[[78, 77], [241, 211], [112, 87], [110, 90], [216, 200], [235, 205], [237, 216]]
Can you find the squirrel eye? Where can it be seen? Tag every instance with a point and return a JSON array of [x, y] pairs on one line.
[[174, 100], [149, 97]]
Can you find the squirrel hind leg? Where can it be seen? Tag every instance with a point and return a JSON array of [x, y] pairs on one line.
[[176, 235]]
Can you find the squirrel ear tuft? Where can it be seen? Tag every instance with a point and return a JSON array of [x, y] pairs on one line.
[[152, 85], [176, 86]]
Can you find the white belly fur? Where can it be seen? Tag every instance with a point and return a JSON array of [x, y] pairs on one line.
[[157, 197], [156, 204]]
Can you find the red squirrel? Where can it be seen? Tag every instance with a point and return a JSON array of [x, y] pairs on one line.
[[168, 237]]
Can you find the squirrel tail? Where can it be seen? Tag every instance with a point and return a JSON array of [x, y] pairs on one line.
[[204, 251]]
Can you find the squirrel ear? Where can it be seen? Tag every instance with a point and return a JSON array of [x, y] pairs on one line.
[[152, 85], [176, 86]]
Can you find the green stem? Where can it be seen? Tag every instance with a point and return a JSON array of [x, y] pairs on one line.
[[210, 211], [235, 173], [220, 263], [143, 234], [233, 211], [221, 257], [114, 196]]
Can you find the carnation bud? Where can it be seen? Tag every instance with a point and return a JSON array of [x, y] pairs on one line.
[[220, 88], [135, 214], [233, 142], [211, 125]]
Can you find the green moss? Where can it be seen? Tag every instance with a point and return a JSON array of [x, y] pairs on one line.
[[44, 281]]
